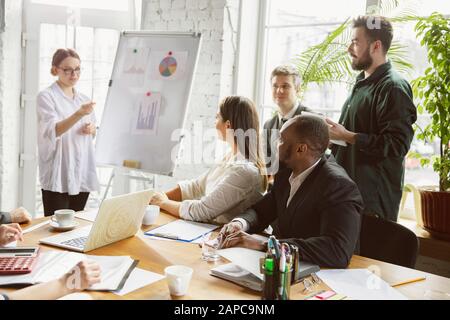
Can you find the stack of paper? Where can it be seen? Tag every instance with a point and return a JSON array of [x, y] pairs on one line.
[[245, 267]]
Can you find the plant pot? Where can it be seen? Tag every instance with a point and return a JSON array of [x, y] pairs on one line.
[[435, 207]]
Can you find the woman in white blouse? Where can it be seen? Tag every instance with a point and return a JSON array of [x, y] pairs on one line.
[[66, 127], [232, 186]]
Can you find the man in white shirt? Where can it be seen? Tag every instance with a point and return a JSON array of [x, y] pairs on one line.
[[313, 203], [285, 82]]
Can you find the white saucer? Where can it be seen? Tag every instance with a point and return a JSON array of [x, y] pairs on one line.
[[57, 227]]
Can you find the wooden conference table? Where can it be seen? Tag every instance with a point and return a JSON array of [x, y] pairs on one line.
[[155, 255]]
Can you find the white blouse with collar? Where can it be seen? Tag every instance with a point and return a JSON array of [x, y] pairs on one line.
[[221, 193], [67, 162]]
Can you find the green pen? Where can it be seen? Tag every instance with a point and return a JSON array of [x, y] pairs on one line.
[[268, 283]]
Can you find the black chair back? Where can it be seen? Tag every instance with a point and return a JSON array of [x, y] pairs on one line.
[[388, 241]]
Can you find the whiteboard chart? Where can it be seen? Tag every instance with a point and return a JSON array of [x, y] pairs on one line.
[[147, 99]]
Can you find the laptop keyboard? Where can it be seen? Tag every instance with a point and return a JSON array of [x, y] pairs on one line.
[[77, 242]]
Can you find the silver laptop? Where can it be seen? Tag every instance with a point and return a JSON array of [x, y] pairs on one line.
[[118, 218]]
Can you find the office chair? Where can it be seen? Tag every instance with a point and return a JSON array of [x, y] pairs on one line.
[[388, 241]]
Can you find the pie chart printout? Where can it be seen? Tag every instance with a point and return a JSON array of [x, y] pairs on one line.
[[168, 66]]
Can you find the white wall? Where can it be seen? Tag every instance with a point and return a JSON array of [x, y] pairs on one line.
[[10, 88], [217, 20]]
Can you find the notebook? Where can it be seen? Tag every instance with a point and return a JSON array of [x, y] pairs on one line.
[[238, 275], [54, 264], [244, 268], [181, 230]]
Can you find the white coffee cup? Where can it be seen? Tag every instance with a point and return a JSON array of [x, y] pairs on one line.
[[178, 278], [64, 217], [151, 214]]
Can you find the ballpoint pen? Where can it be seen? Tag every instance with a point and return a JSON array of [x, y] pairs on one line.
[[282, 268], [295, 262], [167, 236], [276, 246]]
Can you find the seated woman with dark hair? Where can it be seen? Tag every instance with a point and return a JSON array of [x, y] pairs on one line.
[[233, 185]]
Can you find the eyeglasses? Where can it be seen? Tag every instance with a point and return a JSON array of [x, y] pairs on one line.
[[70, 71], [311, 284]]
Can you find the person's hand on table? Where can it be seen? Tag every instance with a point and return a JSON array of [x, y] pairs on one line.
[[83, 276], [244, 240], [10, 233], [20, 215], [158, 199], [231, 227]]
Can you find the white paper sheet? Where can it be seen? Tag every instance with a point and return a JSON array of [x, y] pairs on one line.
[[88, 215], [77, 296], [32, 228], [245, 258], [139, 278], [359, 284], [197, 241], [183, 230], [134, 66]]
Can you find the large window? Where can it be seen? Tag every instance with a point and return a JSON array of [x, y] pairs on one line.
[[291, 26], [116, 5], [92, 28]]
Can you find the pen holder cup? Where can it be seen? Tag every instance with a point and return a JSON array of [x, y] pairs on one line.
[[276, 284]]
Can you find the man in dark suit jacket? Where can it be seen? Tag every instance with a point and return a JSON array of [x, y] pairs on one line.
[[313, 203], [285, 82]]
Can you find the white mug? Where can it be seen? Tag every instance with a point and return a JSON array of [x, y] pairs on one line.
[[178, 278], [151, 214], [64, 217]]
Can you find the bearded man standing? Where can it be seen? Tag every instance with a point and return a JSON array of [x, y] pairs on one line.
[[376, 120]]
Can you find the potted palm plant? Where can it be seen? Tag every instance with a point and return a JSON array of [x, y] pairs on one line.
[[329, 62], [433, 91]]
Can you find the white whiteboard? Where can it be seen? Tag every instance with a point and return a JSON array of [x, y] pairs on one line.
[[147, 99]]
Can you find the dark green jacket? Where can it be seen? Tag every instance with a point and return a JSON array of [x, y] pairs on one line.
[[381, 111]]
